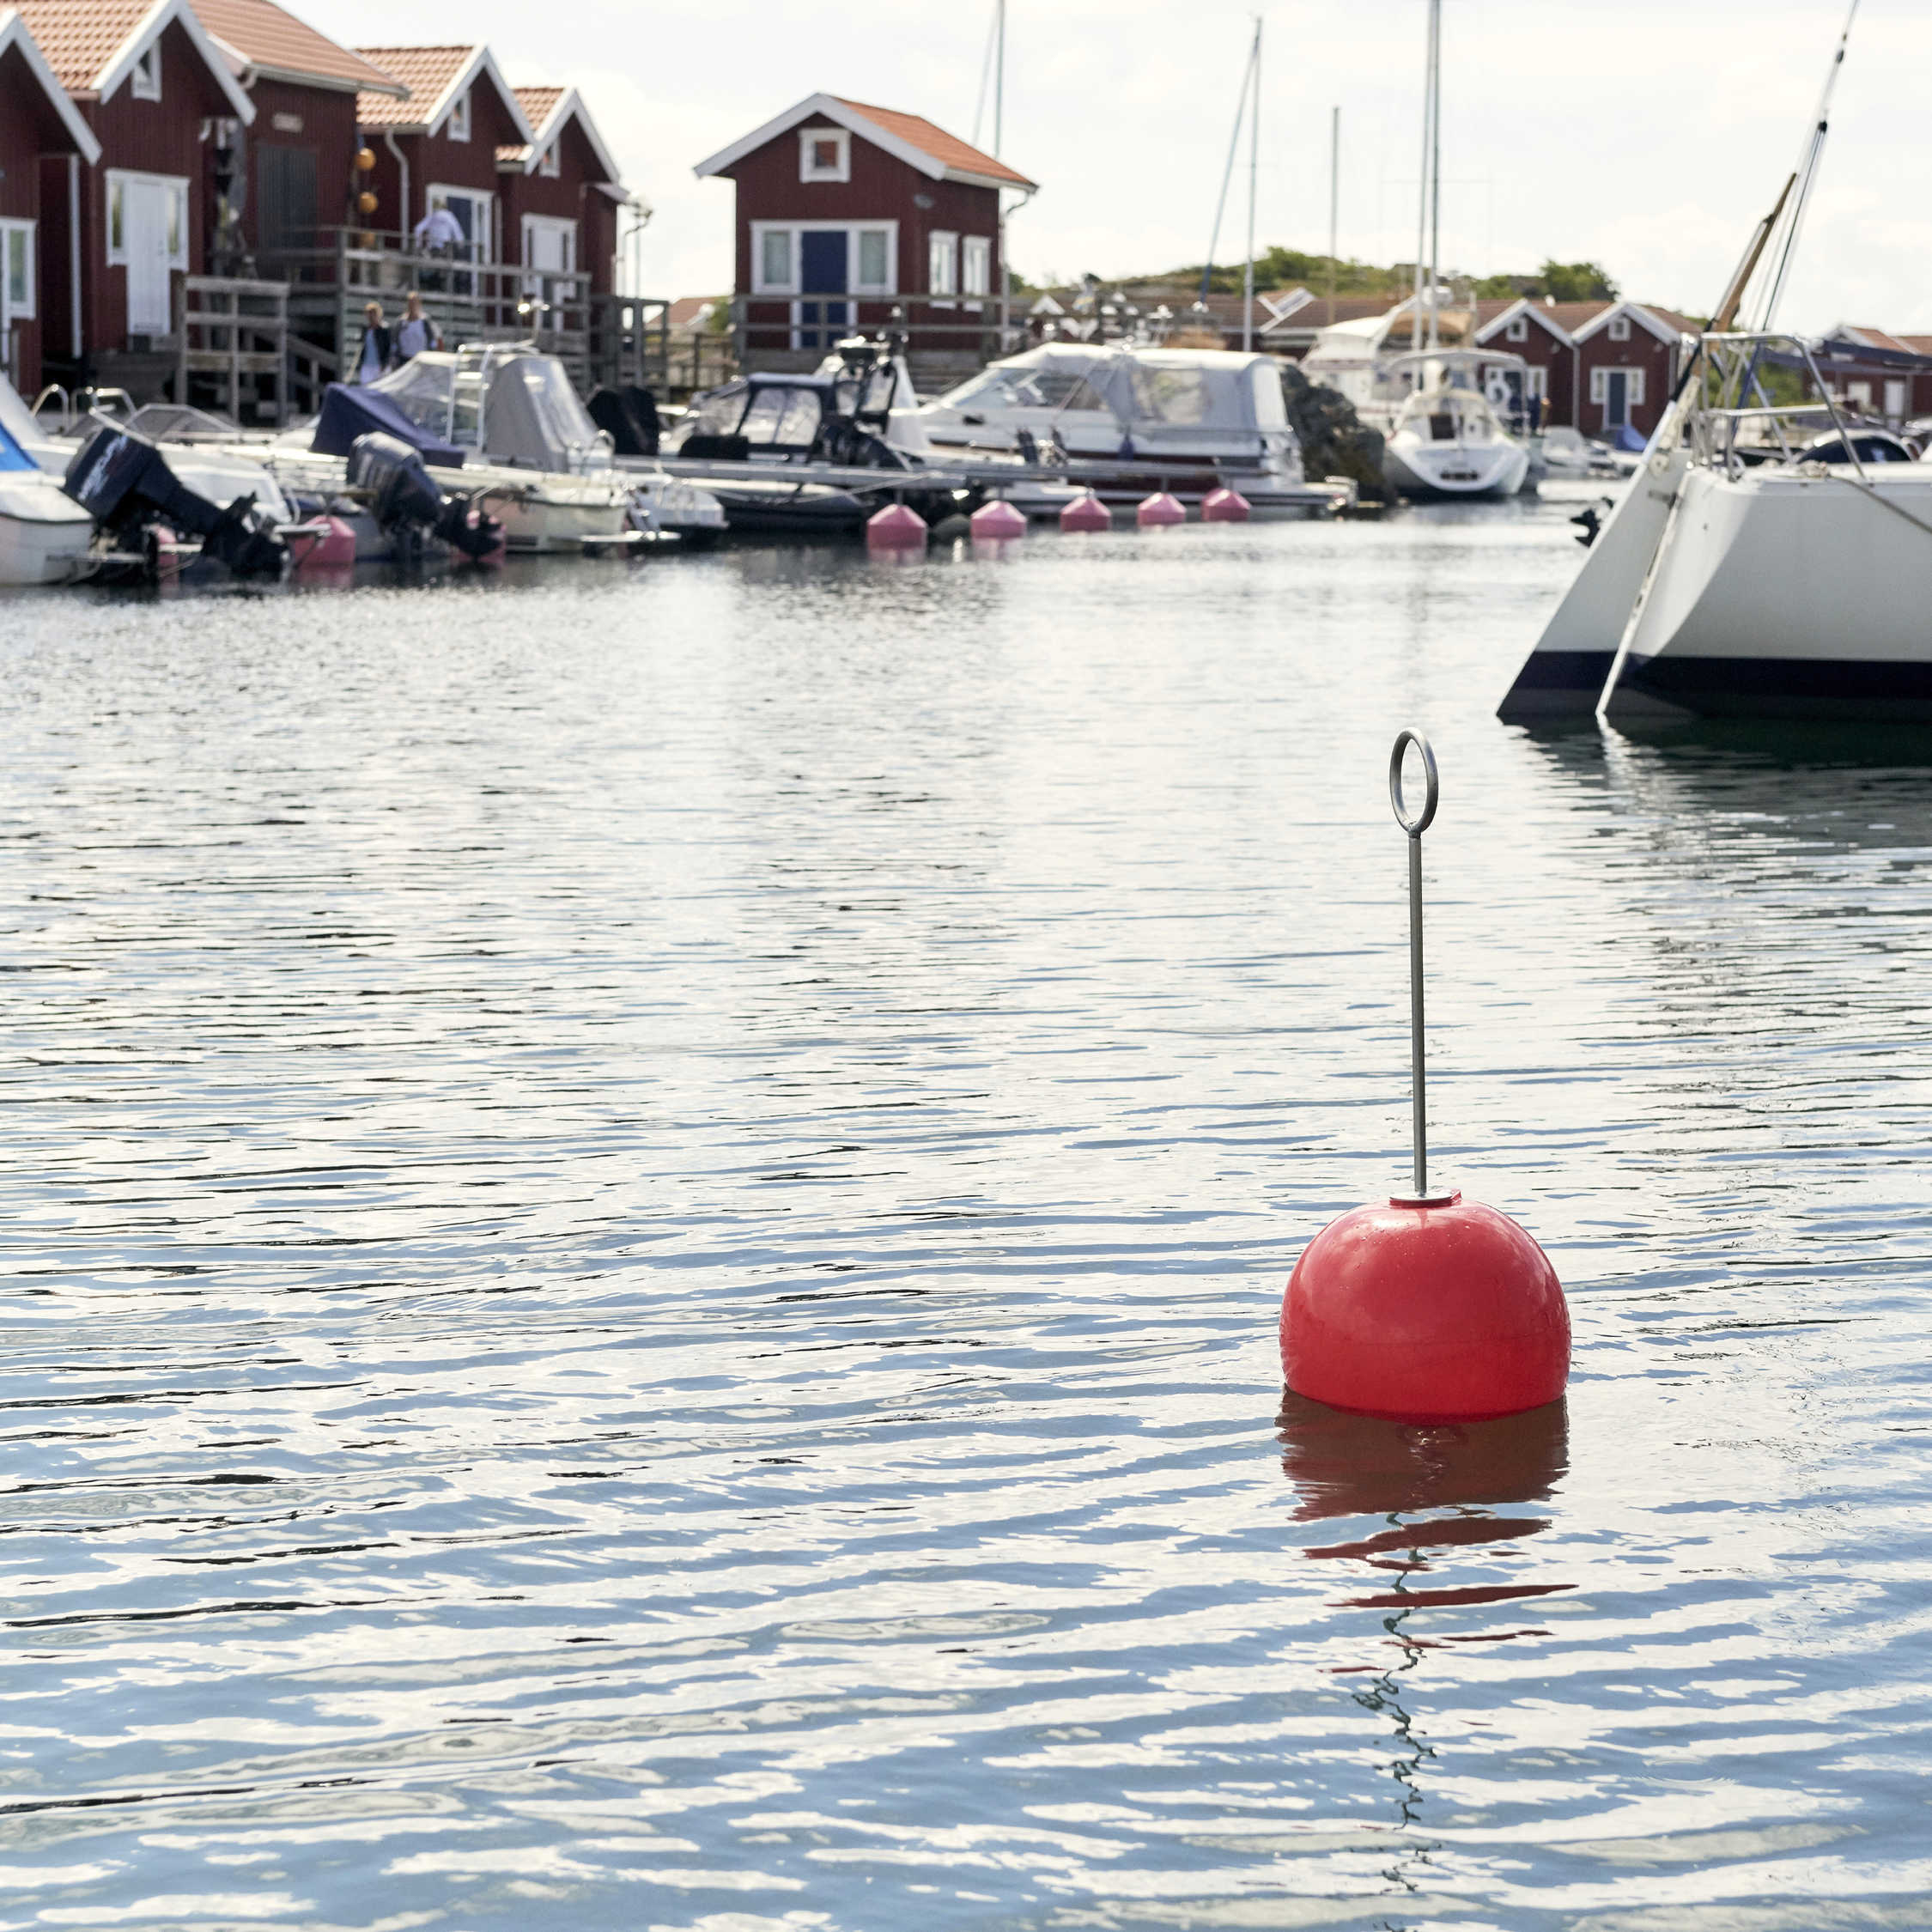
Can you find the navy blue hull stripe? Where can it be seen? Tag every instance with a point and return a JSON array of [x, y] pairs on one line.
[[1786, 687], [1556, 683]]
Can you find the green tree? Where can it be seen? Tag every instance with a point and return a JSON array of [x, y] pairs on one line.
[[1575, 281]]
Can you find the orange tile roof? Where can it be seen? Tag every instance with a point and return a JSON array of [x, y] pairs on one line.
[[425, 71], [80, 38], [948, 149], [265, 35], [538, 104]]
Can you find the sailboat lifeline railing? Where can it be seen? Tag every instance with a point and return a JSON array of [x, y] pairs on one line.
[[1715, 416]]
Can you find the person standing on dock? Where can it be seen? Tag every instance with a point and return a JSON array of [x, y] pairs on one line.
[[416, 332], [378, 345]]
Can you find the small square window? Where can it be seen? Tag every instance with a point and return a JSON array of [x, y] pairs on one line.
[[1518, 331], [824, 154], [459, 117], [1619, 329], [551, 165], [144, 83]]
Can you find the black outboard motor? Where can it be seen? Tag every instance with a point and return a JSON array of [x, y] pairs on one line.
[[628, 417], [406, 501], [123, 482]]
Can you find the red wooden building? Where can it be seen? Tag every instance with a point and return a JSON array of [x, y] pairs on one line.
[[146, 79], [41, 131], [436, 144], [1601, 366], [560, 191], [290, 179], [846, 212]]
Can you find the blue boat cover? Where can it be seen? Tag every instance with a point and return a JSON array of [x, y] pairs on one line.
[[12, 456], [1630, 438], [348, 413]]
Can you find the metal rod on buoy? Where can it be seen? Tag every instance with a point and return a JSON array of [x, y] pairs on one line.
[[1415, 828]]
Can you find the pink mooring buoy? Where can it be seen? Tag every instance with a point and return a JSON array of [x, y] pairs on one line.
[[1224, 506], [1432, 1308], [1086, 512], [332, 548], [895, 528], [1155, 512], [997, 522]]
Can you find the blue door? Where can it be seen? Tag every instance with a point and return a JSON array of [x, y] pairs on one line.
[[822, 254]]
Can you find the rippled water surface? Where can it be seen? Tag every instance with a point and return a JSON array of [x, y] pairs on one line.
[[646, 1215]]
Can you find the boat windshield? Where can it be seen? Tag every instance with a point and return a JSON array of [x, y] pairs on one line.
[[421, 390], [1063, 384], [1449, 415], [718, 414], [786, 416], [1171, 393]]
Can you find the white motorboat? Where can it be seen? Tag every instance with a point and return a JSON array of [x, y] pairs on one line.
[[526, 441], [44, 538], [1448, 439], [1188, 421]]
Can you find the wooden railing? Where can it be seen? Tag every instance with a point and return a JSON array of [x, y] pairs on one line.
[[233, 333], [775, 331], [339, 271]]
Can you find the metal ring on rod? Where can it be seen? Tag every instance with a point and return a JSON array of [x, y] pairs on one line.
[[1414, 827]]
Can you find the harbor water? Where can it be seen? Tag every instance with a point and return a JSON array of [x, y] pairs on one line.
[[645, 1207]]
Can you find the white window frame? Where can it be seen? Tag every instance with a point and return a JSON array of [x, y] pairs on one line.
[[555, 224], [549, 163], [22, 309], [975, 264], [1536, 380], [1618, 328], [115, 178], [482, 224], [854, 288], [457, 127], [841, 170], [942, 251], [144, 77], [1518, 330]]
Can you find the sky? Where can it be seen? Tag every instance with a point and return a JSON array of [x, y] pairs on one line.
[[1643, 135]]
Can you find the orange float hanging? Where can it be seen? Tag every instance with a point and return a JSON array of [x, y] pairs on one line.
[[1432, 1308]]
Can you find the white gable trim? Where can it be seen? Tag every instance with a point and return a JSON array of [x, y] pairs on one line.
[[552, 130], [149, 29], [1649, 322], [826, 106], [1530, 307], [14, 33], [481, 65]]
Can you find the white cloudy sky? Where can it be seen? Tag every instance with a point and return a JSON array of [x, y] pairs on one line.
[[1647, 134]]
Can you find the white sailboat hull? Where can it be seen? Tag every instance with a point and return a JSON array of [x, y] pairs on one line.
[[44, 535], [1435, 471], [1800, 593]]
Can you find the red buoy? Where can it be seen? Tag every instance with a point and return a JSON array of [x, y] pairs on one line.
[[1432, 1308], [997, 522], [1155, 512], [895, 528], [1445, 1313], [1224, 506], [1086, 512]]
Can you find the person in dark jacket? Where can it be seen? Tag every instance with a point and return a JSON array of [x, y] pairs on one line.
[[378, 344]]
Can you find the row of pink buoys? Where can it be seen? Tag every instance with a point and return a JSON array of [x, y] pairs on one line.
[[895, 527]]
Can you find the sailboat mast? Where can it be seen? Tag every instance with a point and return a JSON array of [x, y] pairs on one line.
[[1253, 170], [1435, 166], [1334, 199], [1422, 172], [999, 75]]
